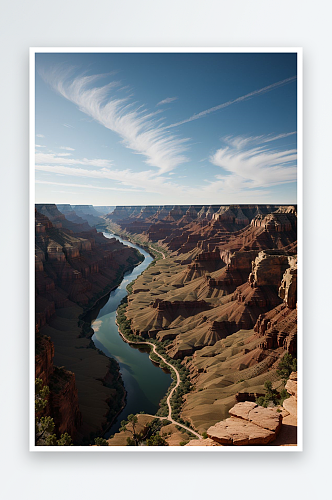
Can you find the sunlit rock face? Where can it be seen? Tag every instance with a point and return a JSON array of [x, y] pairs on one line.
[[288, 287], [239, 261]]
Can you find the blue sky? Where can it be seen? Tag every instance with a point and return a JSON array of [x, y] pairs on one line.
[[155, 129]]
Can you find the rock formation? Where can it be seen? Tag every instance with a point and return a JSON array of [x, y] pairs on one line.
[[63, 399], [249, 424], [290, 404], [240, 262], [223, 303]]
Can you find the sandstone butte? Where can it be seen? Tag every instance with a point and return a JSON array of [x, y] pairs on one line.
[[223, 302]]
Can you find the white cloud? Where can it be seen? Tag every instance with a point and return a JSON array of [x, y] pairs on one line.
[[240, 142], [63, 192], [245, 172], [234, 101], [145, 180], [67, 125], [166, 101], [67, 148], [40, 135], [257, 167], [61, 158], [140, 130], [271, 137], [39, 146], [88, 186]]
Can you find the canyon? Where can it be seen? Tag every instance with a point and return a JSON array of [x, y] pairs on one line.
[[220, 299], [75, 266], [223, 302]]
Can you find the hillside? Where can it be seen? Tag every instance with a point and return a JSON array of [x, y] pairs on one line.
[[223, 302]]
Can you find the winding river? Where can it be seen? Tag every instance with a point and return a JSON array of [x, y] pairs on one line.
[[145, 383]]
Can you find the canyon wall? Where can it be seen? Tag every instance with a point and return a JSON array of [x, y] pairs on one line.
[[74, 267]]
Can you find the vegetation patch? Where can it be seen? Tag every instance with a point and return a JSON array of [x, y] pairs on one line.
[[148, 436], [185, 385], [272, 397]]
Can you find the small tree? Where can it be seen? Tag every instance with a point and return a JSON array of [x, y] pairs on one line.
[[65, 440], [130, 425], [156, 440], [41, 395], [44, 425], [271, 395], [287, 365], [101, 441]]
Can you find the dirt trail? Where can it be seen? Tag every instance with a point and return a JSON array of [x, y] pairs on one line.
[[178, 380], [158, 251]]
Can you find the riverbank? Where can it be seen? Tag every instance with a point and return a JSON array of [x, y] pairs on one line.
[[173, 369], [154, 250], [168, 405], [145, 383]]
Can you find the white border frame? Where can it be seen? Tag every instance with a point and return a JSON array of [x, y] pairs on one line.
[[236, 449]]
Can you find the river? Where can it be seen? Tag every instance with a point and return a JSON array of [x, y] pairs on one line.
[[146, 384]]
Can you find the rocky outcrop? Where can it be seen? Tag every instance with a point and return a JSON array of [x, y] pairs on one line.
[[62, 404], [288, 287], [268, 268], [278, 327], [205, 262], [234, 274], [44, 358], [249, 424], [202, 442], [279, 221], [290, 404]]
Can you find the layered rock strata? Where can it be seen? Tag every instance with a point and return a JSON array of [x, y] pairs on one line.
[[75, 266], [246, 277]]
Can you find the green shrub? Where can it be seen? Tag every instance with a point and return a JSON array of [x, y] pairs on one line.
[[287, 365], [101, 441]]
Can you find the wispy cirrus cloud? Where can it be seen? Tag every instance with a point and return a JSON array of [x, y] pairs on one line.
[[41, 136], [61, 158], [145, 180], [254, 167], [240, 142], [234, 101], [140, 130], [168, 100], [67, 148], [86, 186]]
